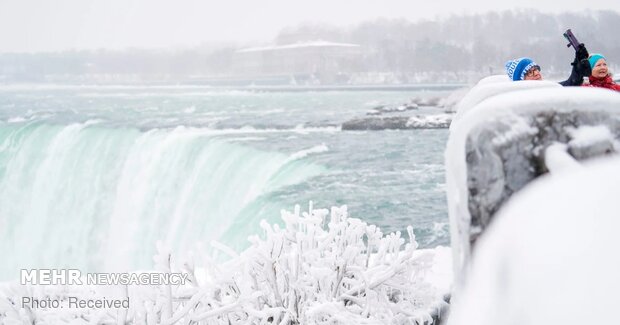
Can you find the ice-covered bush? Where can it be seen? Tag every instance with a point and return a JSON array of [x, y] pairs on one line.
[[320, 267]]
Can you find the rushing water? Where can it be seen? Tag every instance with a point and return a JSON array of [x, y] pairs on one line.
[[92, 177]]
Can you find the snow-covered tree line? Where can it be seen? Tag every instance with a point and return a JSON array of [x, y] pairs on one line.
[[460, 43]]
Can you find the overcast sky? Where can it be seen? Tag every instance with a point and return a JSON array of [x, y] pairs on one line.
[[52, 25]]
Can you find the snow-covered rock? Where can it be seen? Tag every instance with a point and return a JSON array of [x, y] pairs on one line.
[[497, 145], [438, 121], [550, 256], [391, 109]]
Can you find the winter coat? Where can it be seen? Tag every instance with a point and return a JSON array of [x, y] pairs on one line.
[[575, 79], [581, 68], [606, 82]]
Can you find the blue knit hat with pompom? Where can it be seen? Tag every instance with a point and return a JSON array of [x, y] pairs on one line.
[[517, 68]]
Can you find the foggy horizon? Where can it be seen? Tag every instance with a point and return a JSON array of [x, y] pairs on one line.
[[458, 49], [73, 25]]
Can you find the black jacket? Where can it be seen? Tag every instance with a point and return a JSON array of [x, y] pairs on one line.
[[581, 68]]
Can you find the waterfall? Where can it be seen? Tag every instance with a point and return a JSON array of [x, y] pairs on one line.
[[99, 198]]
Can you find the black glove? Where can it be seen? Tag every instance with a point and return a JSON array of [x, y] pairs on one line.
[[581, 68], [581, 52], [581, 65]]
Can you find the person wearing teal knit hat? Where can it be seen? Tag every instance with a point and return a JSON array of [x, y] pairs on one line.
[[594, 58], [600, 76]]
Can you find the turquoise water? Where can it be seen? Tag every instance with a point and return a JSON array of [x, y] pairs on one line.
[[93, 177]]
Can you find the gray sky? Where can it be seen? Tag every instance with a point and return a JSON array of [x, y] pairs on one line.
[[52, 25]]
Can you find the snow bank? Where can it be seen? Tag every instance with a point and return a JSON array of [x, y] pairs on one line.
[[497, 145], [321, 267], [495, 85], [498, 78], [550, 256]]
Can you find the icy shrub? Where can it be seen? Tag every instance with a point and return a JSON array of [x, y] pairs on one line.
[[321, 267]]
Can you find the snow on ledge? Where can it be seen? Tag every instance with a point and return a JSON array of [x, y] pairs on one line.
[[496, 85], [550, 257], [513, 106]]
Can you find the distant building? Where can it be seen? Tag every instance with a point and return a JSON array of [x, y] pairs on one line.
[[299, 63]]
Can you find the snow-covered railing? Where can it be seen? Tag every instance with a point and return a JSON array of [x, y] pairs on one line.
[[551, 254], [498, 142]]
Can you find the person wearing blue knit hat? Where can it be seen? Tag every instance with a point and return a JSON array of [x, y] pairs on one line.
[[523, 69], [526, 69]]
